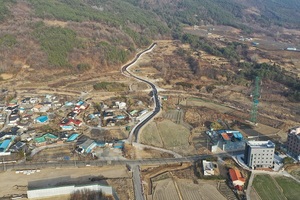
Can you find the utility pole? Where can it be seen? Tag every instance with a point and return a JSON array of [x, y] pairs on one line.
[[255, 97]]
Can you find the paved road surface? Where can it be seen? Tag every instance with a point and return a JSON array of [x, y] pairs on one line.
[[124, 70], [107, 161], [137, 182]]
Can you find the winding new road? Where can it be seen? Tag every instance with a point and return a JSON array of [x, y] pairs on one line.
[[135, 131], [136, 176]]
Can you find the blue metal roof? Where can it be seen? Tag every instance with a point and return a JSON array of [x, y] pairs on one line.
[[42, 119], [4, 145], [72, 137], [237, 135]]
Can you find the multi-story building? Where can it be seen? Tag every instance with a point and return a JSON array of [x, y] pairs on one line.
[[293, 142], [259, 154]]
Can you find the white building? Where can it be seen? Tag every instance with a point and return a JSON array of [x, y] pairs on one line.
[[208, 168], [122, 105], [259, 154]]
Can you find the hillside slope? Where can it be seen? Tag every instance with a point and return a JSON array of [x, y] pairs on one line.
[[73, 35], [78, 36]]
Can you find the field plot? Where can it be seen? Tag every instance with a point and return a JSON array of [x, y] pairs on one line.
[[165, 190], [203, 191], [173, 135], [266, 188], [55, 153], [291, 189], [150, 135], [165, 133], [173, 115]]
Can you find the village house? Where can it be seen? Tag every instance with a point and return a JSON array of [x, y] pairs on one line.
[[237, 180]]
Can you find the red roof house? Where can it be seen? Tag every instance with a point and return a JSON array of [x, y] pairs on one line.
[[66, 122], [236, 177]]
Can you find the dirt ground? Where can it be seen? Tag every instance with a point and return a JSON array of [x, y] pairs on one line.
[[16, 183]]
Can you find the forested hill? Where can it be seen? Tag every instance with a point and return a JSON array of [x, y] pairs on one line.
[[74, 34], [86, 34], [228, 12]]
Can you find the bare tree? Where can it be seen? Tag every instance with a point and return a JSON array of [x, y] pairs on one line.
[[87, 194]]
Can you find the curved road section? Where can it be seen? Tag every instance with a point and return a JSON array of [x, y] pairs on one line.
[[136, 129]]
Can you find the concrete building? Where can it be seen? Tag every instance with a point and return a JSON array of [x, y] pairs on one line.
[[259, 154], [293, 142], [208, 168]]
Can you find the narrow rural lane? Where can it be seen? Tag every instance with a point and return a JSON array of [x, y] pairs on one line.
[[137, 182]]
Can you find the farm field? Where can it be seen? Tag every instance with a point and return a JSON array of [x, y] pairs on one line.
[[173, 134], [205, 190], [167, 134], [291, 189], [268, 189], [165, 190], [150, 135]]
